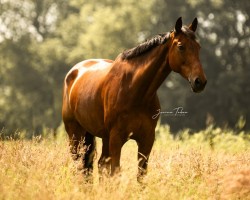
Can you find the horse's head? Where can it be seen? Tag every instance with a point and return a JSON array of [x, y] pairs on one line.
[[184, 55]]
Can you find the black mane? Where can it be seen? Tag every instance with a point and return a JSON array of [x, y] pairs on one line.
[[154, 42], [145, 46]]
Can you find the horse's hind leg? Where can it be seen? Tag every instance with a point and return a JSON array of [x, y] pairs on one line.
[[82, 144], [76, 134], [88, 156]]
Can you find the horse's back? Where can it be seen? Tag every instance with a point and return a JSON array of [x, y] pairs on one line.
[[86, 66], [80, 70]]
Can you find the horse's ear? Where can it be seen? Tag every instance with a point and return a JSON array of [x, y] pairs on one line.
[[178, 25], [194, 24]]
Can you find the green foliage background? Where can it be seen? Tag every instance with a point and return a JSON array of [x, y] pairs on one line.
[[41, 40]]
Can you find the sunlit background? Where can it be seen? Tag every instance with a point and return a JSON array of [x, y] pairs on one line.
[[41, 40]]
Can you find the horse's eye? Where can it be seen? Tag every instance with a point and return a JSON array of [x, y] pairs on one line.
[[181, 47]]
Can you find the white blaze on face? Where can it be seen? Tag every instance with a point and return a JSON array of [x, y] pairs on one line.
[[99, 65]]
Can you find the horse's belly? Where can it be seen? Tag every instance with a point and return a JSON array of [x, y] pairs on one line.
[[90, 115]]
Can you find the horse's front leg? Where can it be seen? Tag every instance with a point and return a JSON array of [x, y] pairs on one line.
[[115, 145], [105, 160], [144, 148]]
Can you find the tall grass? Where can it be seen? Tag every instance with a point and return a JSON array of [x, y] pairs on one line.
[[211, 164]]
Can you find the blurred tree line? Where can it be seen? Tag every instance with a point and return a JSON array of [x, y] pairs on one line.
[[41, 40]]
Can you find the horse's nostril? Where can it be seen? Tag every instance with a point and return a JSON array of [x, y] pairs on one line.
[[197, 82]]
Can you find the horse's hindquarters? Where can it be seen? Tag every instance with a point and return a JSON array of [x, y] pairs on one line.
[[82, 100]]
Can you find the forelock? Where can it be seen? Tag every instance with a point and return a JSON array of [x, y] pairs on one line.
[[186, 30]]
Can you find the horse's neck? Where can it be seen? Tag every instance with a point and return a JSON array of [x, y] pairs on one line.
[[149, 76]]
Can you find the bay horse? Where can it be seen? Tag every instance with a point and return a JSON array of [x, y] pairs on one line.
[[115, 100]]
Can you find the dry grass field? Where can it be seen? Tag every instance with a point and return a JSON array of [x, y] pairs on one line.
[[211, 164]]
